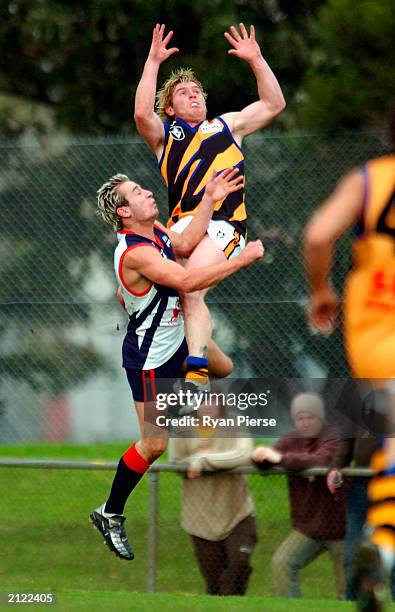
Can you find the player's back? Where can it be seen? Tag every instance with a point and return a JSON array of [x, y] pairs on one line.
[[370, 288]]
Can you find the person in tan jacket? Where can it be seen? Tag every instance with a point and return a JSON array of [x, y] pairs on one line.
[[217, 509]]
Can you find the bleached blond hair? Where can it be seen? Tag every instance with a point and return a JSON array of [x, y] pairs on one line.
[[109, 200], [165, 93]]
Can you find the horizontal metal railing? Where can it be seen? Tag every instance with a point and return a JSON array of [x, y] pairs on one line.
[[61, 464], [153, 475]]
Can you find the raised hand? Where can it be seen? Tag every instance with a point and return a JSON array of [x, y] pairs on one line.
[[244, 45], [220, 185], [158, 51]]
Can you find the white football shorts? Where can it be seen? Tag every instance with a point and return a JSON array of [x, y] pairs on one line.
[[223, 233]]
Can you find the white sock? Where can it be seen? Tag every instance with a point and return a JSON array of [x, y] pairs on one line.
[[387, 558], [106, 514]]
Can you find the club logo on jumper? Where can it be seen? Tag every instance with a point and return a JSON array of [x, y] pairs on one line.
[[176, 131], [166, 240], [220, 234], [210, 127], [176, 313]]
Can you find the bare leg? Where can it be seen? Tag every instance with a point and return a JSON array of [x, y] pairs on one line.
[[219, 364], [136, 460], [153, 441], [198, 325], [108, 517]]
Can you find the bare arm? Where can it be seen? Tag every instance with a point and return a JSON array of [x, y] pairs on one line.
[[146, 262], [217, 188], [271, 100], [149, 124], [342, 209]]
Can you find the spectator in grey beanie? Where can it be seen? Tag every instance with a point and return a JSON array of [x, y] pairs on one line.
[[318, 519]]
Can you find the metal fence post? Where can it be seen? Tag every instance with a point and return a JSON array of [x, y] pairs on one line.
[[152, 531]]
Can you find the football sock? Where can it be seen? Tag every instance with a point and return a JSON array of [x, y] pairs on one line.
[[381, 512], [197, 369], [387, 558], [131, 468]]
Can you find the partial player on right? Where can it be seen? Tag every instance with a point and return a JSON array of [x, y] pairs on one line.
[[364, 198]]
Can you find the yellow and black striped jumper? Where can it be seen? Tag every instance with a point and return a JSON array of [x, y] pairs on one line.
[[189, 156], [370, 322]]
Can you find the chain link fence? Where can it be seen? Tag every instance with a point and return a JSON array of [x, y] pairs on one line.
[[50, 527], [61, 331], [60, 325]]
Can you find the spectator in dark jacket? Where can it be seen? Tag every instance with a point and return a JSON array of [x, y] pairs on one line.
[[318, 518]]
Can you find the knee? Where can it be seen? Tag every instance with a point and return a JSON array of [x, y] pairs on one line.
[[219, 364], [153, 448], [242, 562], [191, 300], [280, 563], [227, 367], [158, 447]]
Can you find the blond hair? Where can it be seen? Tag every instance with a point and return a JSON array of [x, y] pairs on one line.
[[165, 93], [108, 200]]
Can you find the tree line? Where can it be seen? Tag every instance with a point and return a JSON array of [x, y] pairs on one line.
[[74, 66]]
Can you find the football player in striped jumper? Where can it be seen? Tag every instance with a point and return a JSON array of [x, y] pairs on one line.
[[365, 200], [188, 147], [154, 347]]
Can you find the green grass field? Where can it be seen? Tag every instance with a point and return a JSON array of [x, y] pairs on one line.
[[104, 601], [202, 603], [49, 545]]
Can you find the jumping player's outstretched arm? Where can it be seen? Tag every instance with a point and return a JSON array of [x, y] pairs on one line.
[[217, 188], [271, 100], [146, 263], [149, 124]]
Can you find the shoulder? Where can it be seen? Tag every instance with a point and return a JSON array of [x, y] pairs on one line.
[[140, 251], [228, 119], [330, 431], [212, 126], [161, 228], [344, 205], [353, 182], [162, 234], [128, 240], [290, 439], [381, 166], [378, 161]]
